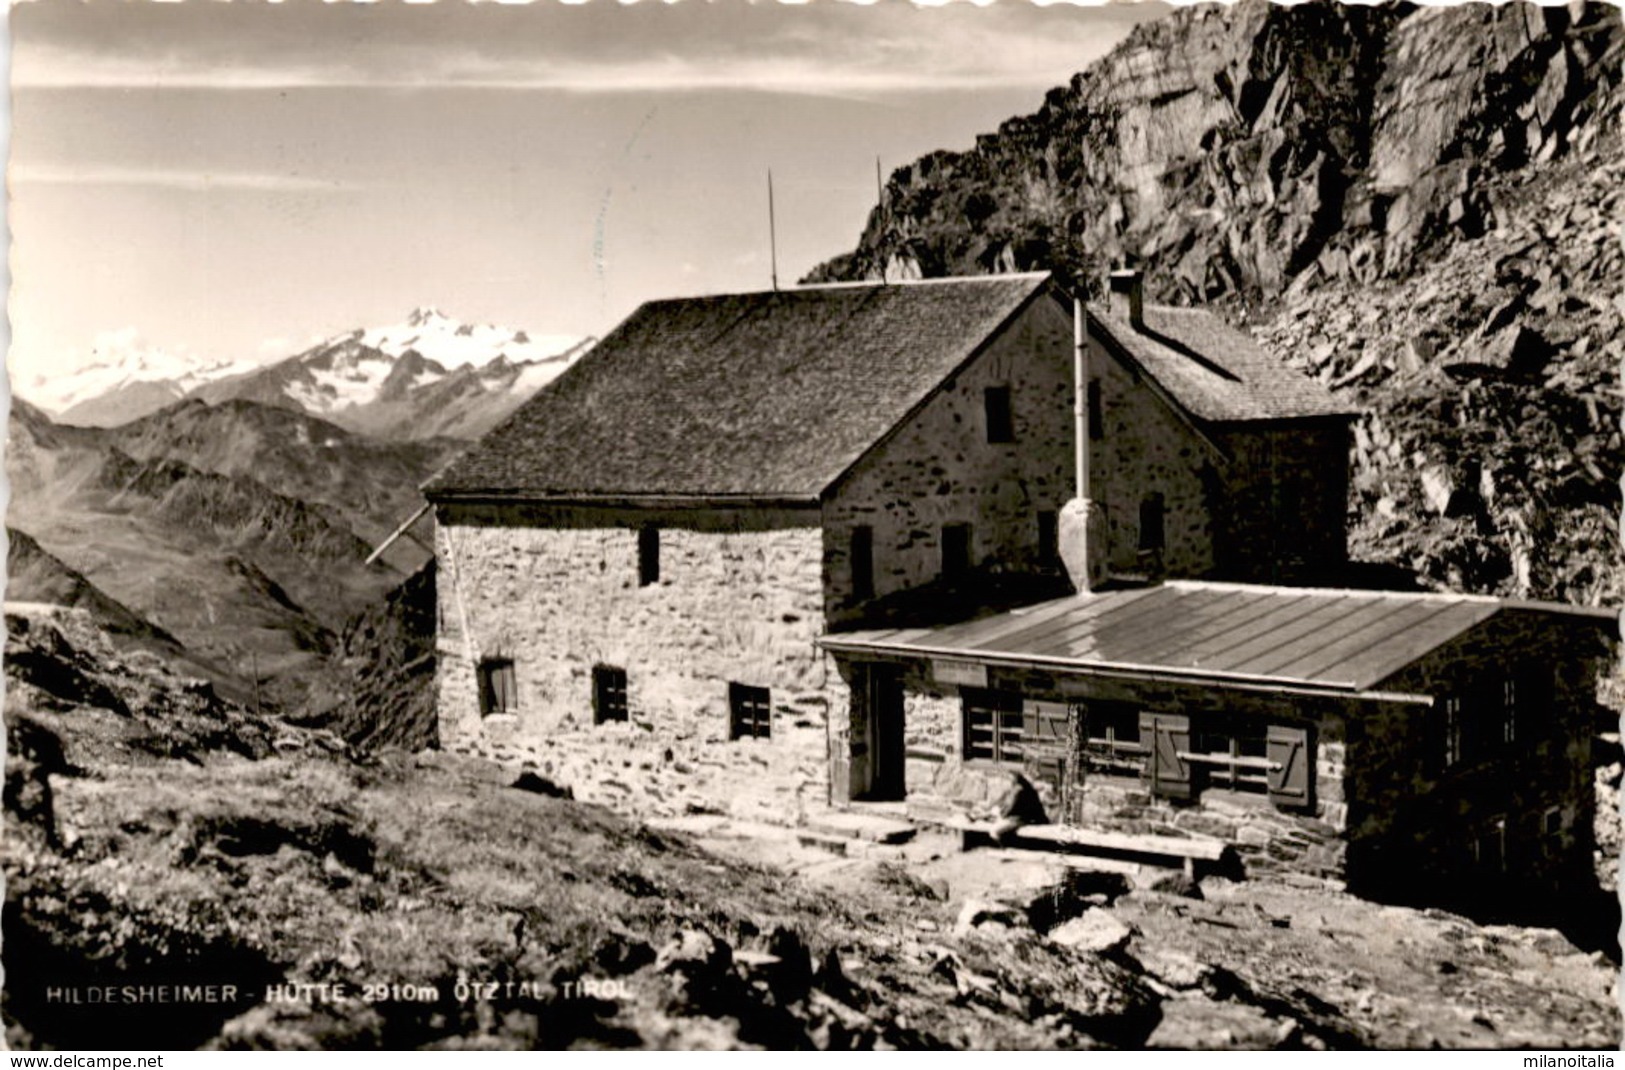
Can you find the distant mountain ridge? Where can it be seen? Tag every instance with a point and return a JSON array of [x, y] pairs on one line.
[[428, 376], [127, 375], [239, 529]]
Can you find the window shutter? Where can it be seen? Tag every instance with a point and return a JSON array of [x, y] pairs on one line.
[[507, 687], [1166, 736], [1292, 774], [1044, 722]]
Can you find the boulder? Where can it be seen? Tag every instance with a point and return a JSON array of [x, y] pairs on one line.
[[1094, 930], [1519, 352], [987, 794], [1177, 884], [694, 953], [978, 912], [1175, 969]]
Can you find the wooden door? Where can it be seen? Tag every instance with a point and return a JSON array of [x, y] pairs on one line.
[[889, 756]]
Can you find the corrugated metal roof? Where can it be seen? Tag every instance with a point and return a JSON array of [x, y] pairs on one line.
[[1347, 640]]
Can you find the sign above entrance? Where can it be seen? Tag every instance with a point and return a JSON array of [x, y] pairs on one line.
[[962, 673]]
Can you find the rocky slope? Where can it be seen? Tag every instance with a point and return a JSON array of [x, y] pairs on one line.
[[384, 693], [1416, 204], [240, 530], [371, 482], [33, 575], [1491, 451]]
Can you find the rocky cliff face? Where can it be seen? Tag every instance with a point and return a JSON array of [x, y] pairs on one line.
[[1415, 204], [1236, 149], [1490, 451]]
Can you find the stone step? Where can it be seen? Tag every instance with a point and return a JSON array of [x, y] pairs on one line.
[[835, 845]]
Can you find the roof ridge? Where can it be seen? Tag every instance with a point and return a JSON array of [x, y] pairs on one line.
[[1009, 276], [743, 393], [1280, 588]]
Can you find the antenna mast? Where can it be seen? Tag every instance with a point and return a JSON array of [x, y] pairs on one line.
[[772, 231], [880, 208]]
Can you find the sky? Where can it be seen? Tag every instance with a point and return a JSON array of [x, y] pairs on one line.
[[231, 181]]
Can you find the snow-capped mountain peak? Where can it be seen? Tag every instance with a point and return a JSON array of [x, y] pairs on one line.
[[426, 375], [453, 344], [424, 315], [121, 361]]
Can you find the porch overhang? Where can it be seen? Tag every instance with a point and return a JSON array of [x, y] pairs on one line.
[[1074, 672], [1297, 641]]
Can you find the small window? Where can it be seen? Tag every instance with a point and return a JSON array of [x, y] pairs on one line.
[[1235, 752], [955, 550], [608, 694], [1450, 716], [1000, 426], [648, 555], [1049, 537], [1112, 737], [994, 727], [1112, 726], [1511, 714], [1151, 527], [1554, 822], [499, 689], [862, 554], [1097, 417], [750, 712]]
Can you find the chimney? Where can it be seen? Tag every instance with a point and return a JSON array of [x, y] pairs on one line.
[[1127, 289]]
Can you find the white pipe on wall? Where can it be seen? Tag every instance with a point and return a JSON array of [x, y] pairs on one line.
[[1080, 395]]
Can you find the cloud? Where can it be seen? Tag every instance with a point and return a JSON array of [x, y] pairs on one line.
[[172, 178], [840, 49]]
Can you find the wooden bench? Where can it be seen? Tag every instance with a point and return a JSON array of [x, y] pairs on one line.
[[1188, 853]]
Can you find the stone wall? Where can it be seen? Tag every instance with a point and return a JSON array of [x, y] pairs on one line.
[[1141, 448], [1267, 839], [939, 468], [1255, 502], [1410, 815], [557, 590]]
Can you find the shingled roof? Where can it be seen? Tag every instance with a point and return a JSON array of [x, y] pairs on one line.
[[774, 395], [765, 395], [1214, 371]]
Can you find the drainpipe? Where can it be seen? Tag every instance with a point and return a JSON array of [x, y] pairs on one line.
[[1082, 523], [1080, 396]]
